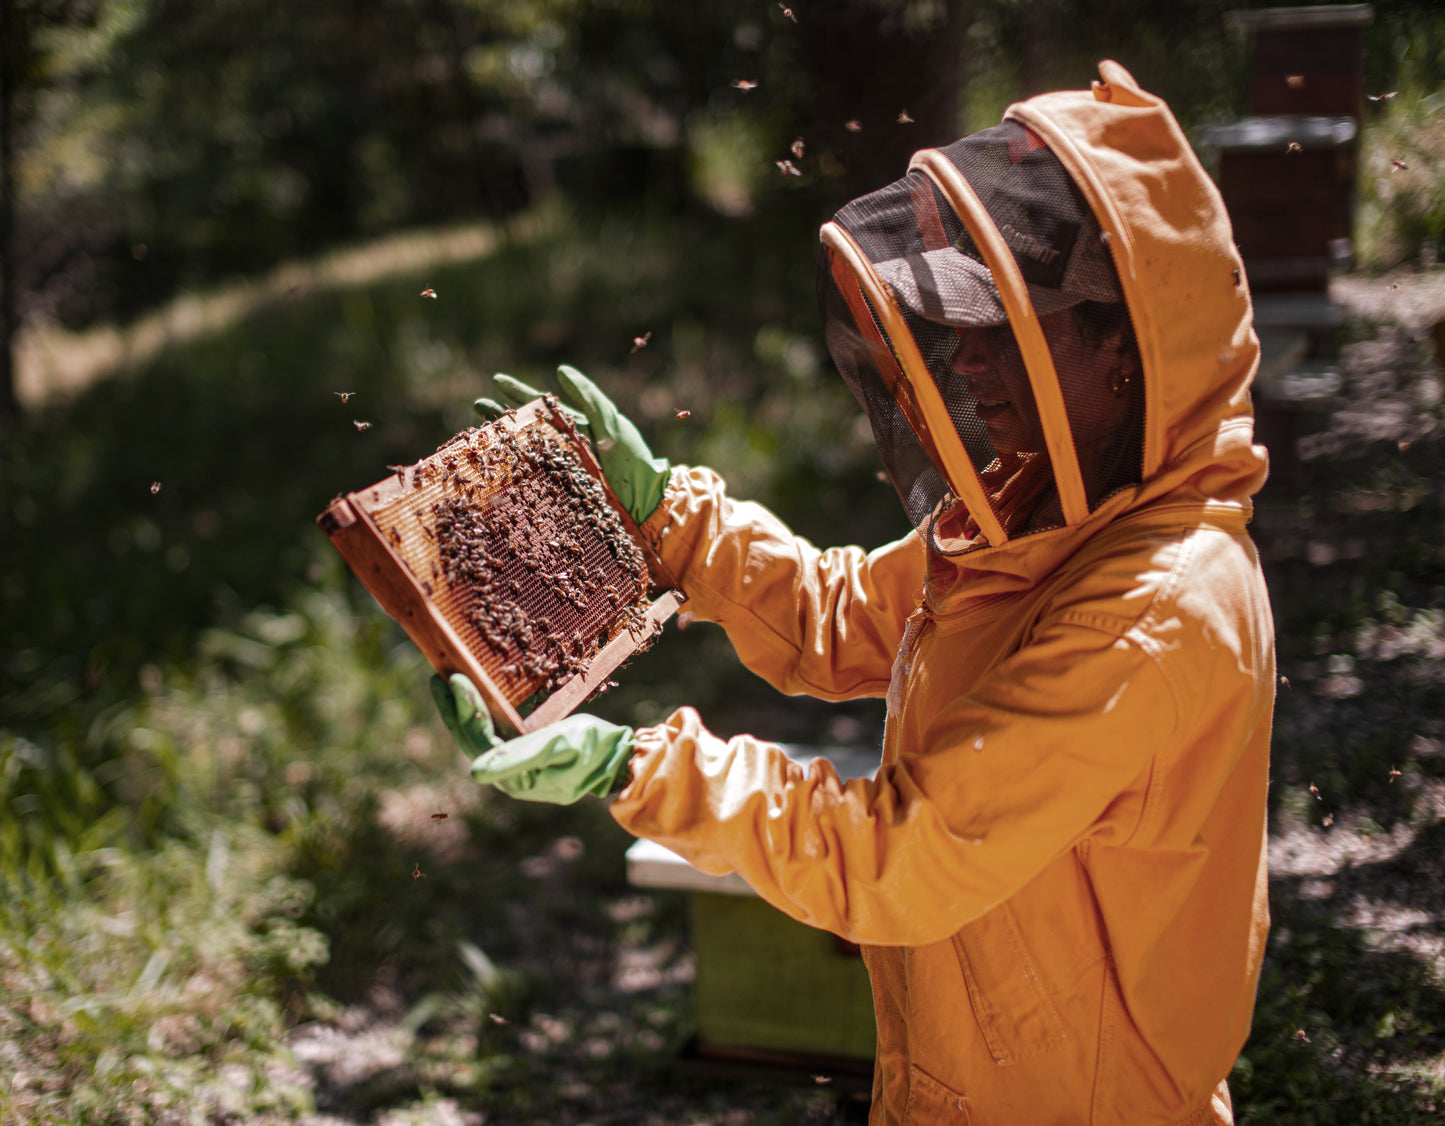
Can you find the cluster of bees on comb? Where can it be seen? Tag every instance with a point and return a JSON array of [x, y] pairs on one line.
[[545, 569]]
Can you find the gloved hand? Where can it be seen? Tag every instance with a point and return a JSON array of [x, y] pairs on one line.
[[637, 477], [558, 763]]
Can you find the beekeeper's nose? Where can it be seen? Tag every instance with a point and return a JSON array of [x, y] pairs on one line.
[[974, 355]]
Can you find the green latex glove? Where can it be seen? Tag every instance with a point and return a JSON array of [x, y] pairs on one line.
[[638, 478], [559, 763]]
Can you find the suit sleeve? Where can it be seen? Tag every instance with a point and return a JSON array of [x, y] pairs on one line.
[[1006, 779], [810, 622]]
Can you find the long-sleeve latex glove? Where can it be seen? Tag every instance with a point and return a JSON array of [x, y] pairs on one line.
[[559, 763], [636, 476]]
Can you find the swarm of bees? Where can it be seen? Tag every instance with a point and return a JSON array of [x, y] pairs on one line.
[[541, 569]]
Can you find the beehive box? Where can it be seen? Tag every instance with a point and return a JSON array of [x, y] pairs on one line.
[[505, 556]]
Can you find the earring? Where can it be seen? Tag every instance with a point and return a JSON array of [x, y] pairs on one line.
[[1119, 382]]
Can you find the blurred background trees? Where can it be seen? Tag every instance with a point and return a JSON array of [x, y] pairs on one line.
[[218, 761]]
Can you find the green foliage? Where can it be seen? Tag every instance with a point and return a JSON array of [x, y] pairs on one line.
[[1401, 216]]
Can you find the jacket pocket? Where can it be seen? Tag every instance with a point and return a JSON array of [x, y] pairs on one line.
[[929, 1101], [1009, 996]]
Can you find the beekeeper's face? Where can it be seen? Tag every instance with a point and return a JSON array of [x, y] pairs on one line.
[[991, 361], [1094, 373]]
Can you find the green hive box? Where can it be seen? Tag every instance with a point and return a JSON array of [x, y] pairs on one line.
[[766, 985]]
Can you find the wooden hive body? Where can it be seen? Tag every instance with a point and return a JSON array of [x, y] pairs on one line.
[[505, 556]]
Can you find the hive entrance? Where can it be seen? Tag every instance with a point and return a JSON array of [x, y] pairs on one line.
[[506, 557]]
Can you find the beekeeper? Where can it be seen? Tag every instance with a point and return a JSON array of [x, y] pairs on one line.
[[1057, 874]]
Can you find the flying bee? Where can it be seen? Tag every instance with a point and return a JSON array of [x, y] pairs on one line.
[[853, 126], [360, 425], [797, 148], [1295, 81], [744, 84], [904, 118], [429, 292], [640, 342], [343, 395], [416, 872], [155, 487], [1398, 166], [681, 415], [787, 168], [788, 13], [1294, 147], [439, 816]]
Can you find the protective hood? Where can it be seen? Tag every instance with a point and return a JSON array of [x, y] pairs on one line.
[[1048, 324]]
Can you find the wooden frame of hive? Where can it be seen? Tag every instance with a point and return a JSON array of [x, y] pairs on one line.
[[476, 549]]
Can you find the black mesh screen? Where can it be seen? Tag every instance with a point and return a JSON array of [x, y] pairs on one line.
[[921, 250]]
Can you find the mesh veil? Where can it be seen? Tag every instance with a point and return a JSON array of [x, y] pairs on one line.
[[920, 249]]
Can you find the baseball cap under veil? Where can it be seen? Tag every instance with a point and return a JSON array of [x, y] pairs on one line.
[[901, 280]]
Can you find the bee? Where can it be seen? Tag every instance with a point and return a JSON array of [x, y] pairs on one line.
[[356, 422], [1284, 680], [1295, 81], [797, 148], [744, 84], [788, 13], [343, 395], [1329, 819], [787, 168], [1299, 1034], [640, 342], [1398, 166], [1237, 278], [429, 292], [155, 487], [682, 415], [416, 872], [854, 126], [1394, 773], [1382, 97], [439, 816], [1294, 147], [904, 118], [1316, 791]]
